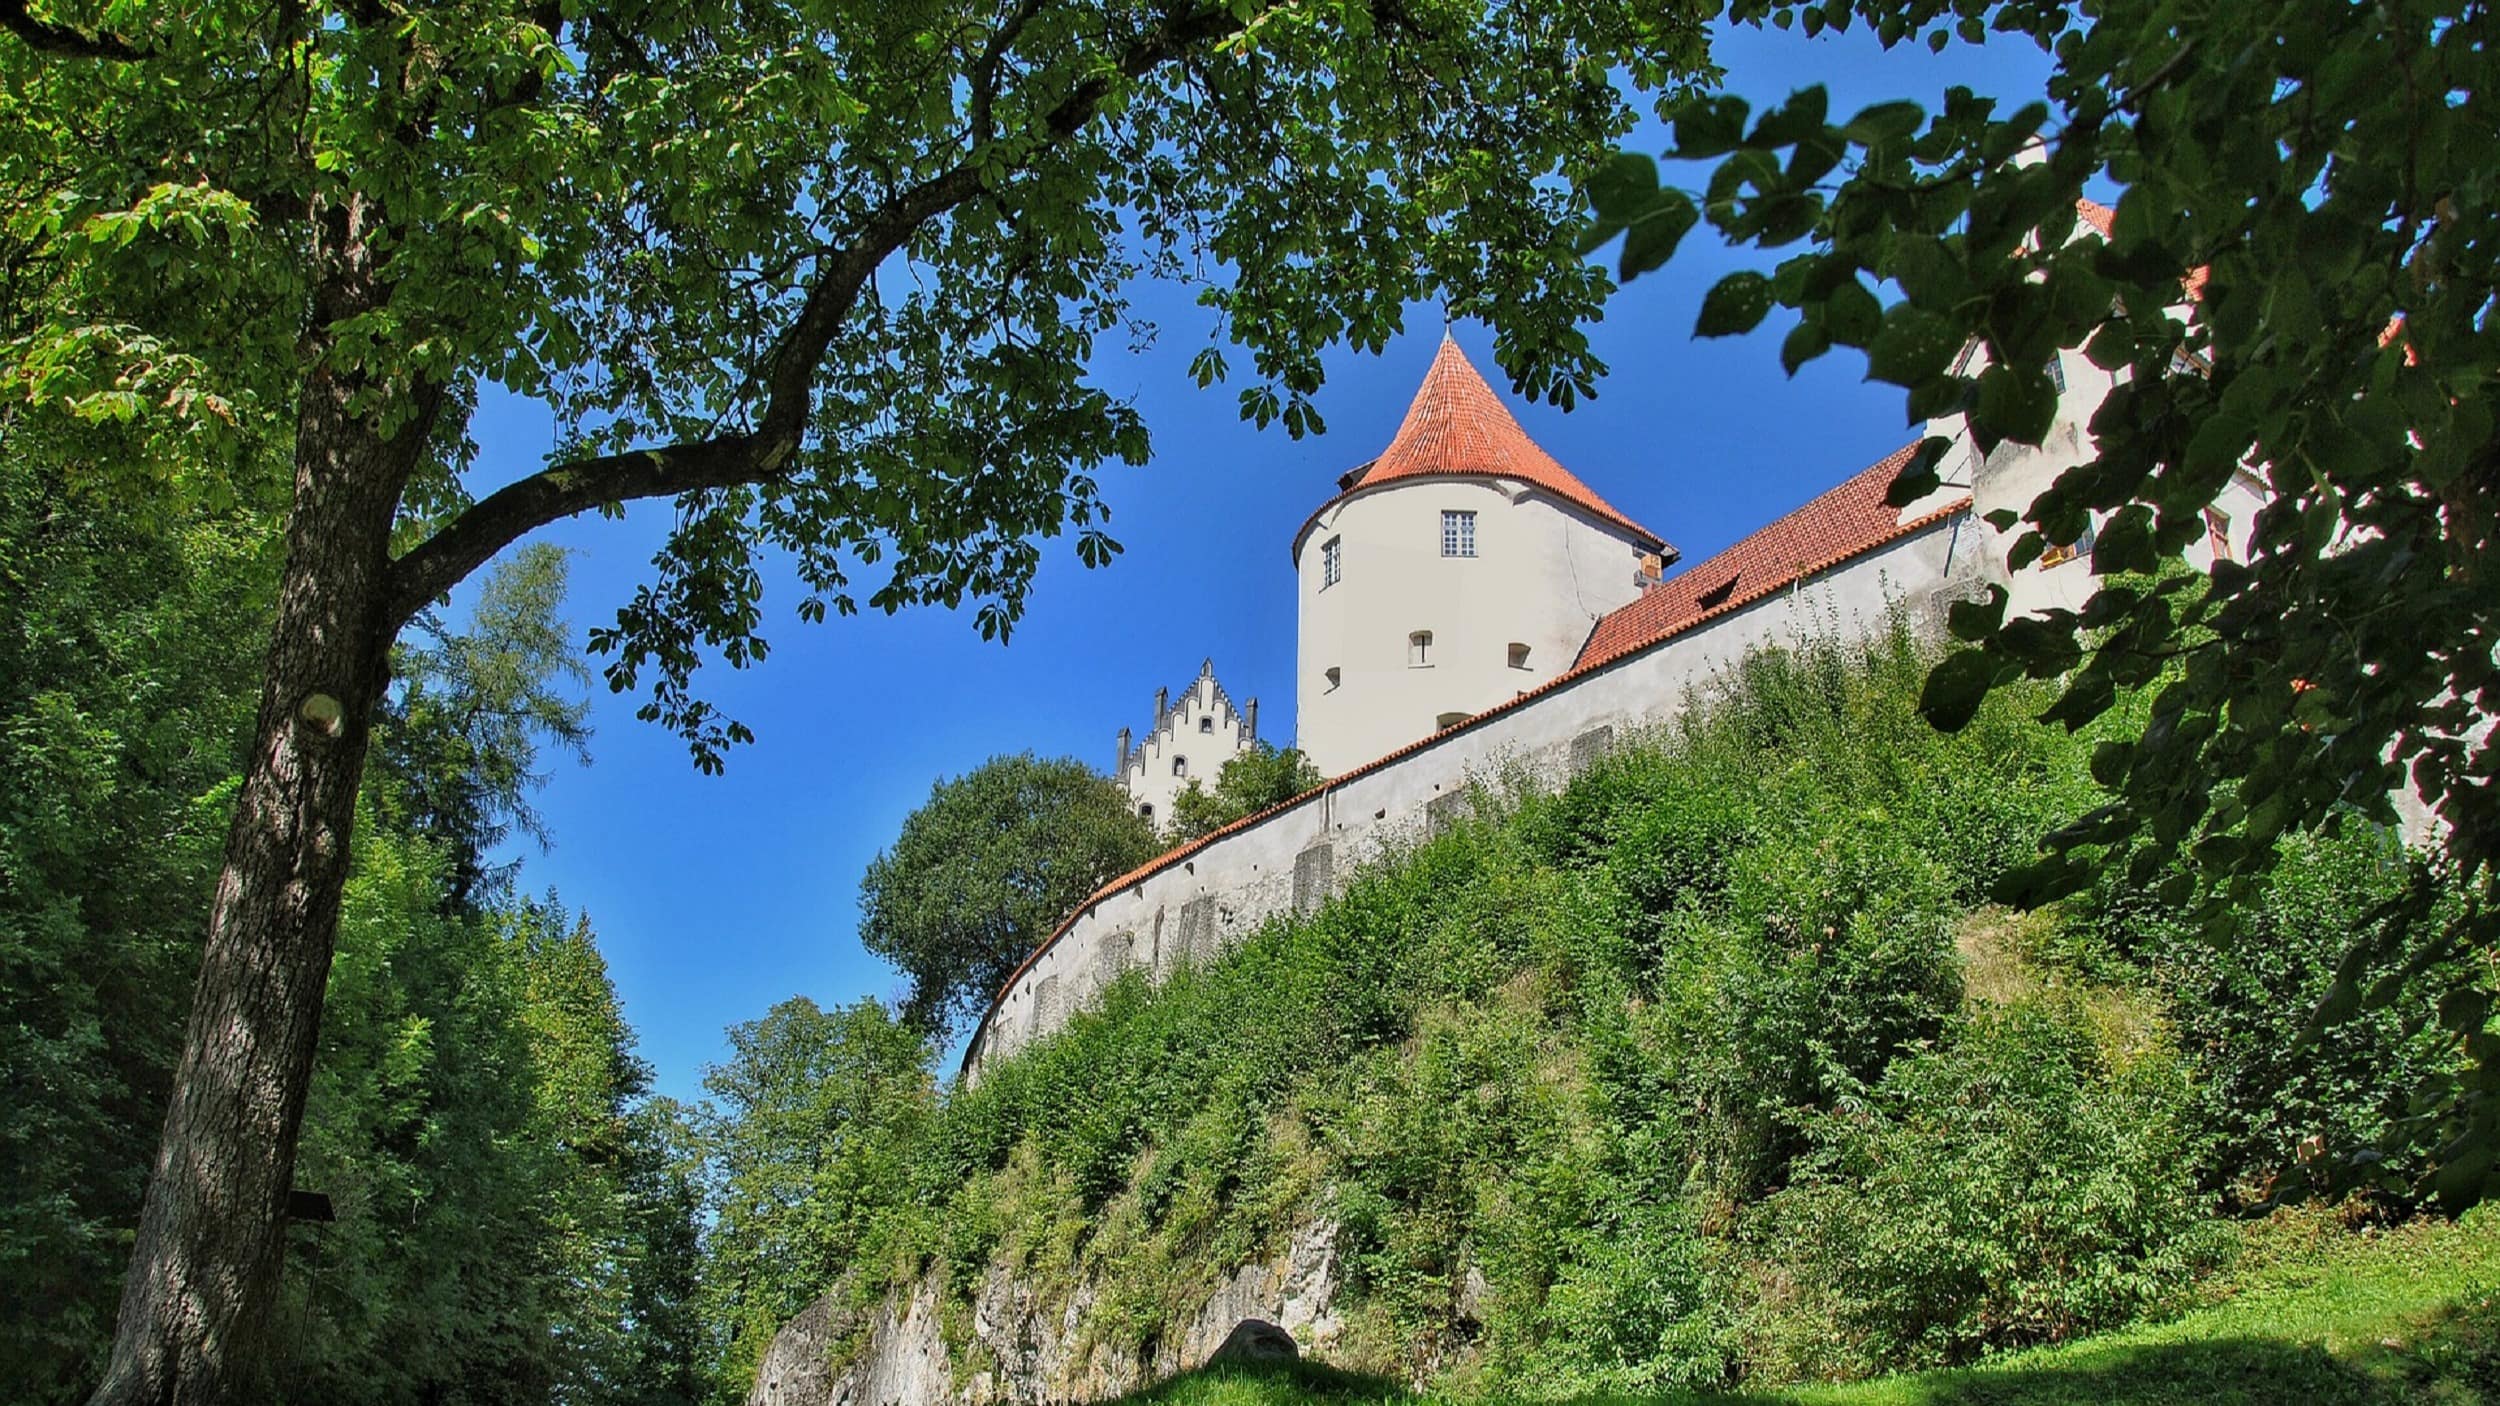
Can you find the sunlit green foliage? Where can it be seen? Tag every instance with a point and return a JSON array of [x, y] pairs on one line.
[[985, 869], [1249, 782]]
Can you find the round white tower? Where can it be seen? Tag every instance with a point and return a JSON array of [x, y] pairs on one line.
[[1462, 567]]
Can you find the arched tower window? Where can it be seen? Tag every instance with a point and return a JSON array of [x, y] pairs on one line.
[[1180, 766], [1419, 650], [1207, 723]]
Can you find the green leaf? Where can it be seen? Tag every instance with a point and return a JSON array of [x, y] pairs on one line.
[[1624, 187], [1652, 238], [1806, 341], [1975, 620], [1736, 304], [1913, 346], [1956, 687], [2016, 403], [1884, 122]]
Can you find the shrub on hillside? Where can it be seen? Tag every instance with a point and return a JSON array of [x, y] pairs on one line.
[[2018, 1184], [2283, 1100]]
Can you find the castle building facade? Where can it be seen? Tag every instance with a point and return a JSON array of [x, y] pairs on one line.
[[1186, 741]]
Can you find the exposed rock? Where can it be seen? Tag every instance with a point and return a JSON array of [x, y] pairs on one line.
[[1025, 1348], [1255, 1342]]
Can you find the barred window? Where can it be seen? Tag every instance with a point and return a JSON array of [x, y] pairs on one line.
[[1419, 649], [1458, 534]]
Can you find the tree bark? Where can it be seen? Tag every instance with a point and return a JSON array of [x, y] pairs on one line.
[[199, 1302]]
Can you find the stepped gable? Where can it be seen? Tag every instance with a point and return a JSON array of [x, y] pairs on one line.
[[1458, 426], [1842, 523]]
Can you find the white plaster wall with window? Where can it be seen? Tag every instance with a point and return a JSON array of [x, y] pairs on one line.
[[1381, 567], [1190, 740]]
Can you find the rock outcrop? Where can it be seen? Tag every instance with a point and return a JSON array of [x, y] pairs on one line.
[[1017, 1346]]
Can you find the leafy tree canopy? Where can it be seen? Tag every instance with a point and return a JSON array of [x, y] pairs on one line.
[[986, 869], [831, 273], [1248, 783], [2330, 174]]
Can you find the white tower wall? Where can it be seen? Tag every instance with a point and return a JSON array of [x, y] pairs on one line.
[[1542, 574]]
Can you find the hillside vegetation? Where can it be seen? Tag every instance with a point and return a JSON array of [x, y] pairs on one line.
[[1716, 1069]]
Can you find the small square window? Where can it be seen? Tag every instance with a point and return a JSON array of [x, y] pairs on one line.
[[1180, 766], [1206, 724], [1331, 675], [1331, 562], [1419, 650], [1519, 656], [1458, 534]]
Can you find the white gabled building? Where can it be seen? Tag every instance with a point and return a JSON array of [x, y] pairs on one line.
[[1187, 740]]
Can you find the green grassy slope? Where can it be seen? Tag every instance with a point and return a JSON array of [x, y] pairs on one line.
[[2315, 1316]]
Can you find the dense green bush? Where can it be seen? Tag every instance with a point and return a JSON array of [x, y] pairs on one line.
[[2023, 1182]]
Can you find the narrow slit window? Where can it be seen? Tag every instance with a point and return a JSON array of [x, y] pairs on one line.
[[1419, 649], [1458, 534], [2218, 533], [1448, 720], [1331, 675]]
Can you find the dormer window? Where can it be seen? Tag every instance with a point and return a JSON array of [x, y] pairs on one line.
[[1419, 650], [1458, 534], [1207, 724], [1331, 562]]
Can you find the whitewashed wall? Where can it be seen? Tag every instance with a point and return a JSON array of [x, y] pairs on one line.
[[1543, 573], [1204, 900]]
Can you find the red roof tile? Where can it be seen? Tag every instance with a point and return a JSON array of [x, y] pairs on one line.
[[1458, 426], [1840, 524]]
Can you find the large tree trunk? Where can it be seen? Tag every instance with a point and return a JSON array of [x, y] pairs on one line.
[[202, 1291]]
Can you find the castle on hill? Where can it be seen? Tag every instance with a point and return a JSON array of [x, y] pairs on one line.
[[1468, 607], [1464, 567]]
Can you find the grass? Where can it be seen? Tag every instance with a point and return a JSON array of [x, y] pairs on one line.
[[2316, 1315]]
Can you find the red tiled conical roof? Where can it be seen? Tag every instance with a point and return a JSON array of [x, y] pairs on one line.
[[1457, 425]]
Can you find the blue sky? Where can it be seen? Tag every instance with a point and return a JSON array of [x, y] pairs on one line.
[[715, 897]]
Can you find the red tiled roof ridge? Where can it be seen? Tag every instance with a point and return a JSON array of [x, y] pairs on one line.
[[1456, 426], [1881, 473], [1826, 529]]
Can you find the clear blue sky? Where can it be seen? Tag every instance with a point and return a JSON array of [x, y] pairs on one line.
[[715, 897]]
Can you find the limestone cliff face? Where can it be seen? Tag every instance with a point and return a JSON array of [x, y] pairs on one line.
[[1018, 1347]]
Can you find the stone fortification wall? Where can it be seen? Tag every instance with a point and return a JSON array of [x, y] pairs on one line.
[[1196, 901]]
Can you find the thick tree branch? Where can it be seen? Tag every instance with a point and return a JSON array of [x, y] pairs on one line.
[[789, 371], [47, 37]]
